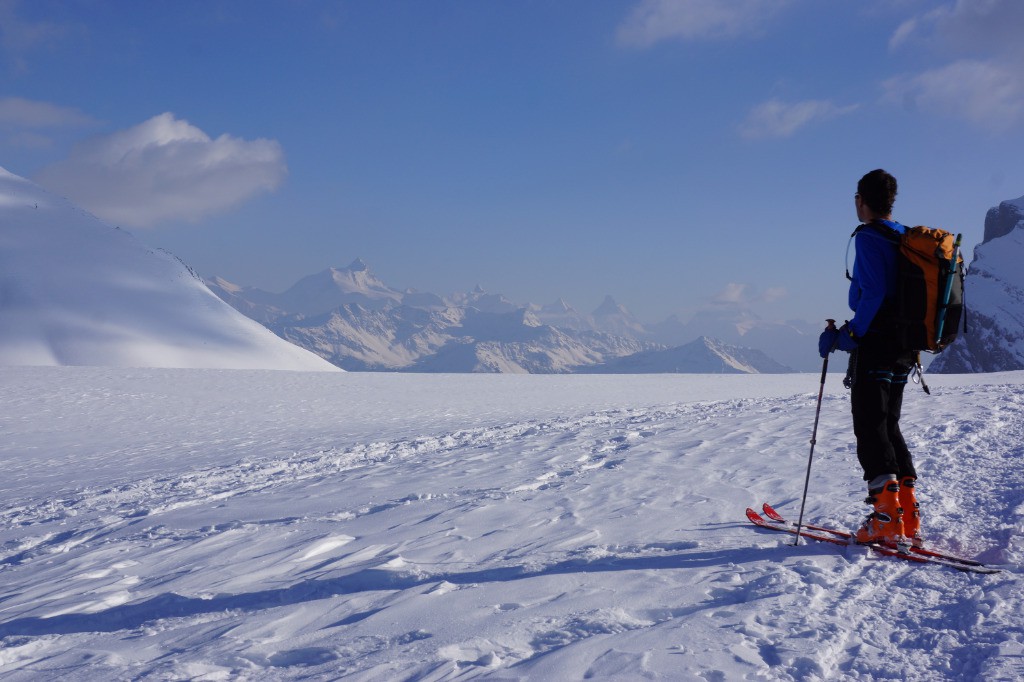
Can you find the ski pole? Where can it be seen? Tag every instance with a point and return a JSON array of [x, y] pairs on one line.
[[814, 433]]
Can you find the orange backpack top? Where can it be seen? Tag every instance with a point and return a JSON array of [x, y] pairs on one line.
[[929, 299]]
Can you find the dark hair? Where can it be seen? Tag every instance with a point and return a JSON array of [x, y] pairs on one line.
[[877, 189]]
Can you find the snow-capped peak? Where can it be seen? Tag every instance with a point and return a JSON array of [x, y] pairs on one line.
[[610, 307]]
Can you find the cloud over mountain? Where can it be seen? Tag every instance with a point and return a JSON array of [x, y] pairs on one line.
[[165, 169]]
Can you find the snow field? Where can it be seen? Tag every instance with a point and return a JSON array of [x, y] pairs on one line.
[[181, 524]]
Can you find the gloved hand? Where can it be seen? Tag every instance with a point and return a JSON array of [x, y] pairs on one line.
[[846, 340], [828, 341], [832, 338]]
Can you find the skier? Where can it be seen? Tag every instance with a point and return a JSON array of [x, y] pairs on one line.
[[878, 371]]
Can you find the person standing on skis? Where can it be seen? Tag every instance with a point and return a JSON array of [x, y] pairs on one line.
[[879, 368]]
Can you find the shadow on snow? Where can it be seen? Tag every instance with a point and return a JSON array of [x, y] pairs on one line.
[[171, 605]]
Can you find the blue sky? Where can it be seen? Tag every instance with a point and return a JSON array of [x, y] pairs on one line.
[[678, 154]]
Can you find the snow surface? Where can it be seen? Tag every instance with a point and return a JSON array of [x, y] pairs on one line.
[[75, 291], [212, 525]]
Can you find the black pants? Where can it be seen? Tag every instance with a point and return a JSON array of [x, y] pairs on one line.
[[880, 375]]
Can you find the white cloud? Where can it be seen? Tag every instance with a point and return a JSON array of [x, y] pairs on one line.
[[776, 118], [773, 294], [23, 122], [29, 140], [738, 294], [653, 21], [986, 85], [903, 33], [165, 169], [734, 292], [987, 93], [988, 25], [17, 112]]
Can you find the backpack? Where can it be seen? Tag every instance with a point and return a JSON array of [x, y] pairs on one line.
[[928, 305]]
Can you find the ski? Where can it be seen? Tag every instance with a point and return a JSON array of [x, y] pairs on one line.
[[759, 520], [819, 536], [923, 551]]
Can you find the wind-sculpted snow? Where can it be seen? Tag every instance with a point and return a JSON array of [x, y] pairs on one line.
[[554, 532]]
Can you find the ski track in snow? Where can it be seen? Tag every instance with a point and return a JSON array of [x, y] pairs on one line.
[[609, 544]]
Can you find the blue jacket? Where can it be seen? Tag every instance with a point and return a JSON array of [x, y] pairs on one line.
[[874, 276]]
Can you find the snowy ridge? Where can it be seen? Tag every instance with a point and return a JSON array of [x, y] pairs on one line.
[[529, 539], [74, 291], [994, 298]]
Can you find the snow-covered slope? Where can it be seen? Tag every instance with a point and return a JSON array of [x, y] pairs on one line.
[[74, 291], [366, 526], [994, 297]]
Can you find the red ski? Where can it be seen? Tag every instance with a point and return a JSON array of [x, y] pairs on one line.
[[825, 536], [923, 551]]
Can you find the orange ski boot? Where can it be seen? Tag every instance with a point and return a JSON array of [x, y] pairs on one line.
[[885, 524], [911, 512]]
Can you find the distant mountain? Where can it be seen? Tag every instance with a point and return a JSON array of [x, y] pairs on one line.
[[517, 343], [353, 319], [74, 291], [357, 338], [792, 343], [703, 356], [994, 298], [484, 302], [561, 314], [327, 290], [612, 318], [450, 340], [249, 301]]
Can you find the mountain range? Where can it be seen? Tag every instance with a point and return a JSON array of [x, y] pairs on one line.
[[364, 324], [356, 321], [75, 291]]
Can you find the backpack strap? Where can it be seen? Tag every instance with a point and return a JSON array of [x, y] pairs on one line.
[[881, 229]]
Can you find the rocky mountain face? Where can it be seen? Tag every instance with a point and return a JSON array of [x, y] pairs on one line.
[[994, 298], [357, 322]]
